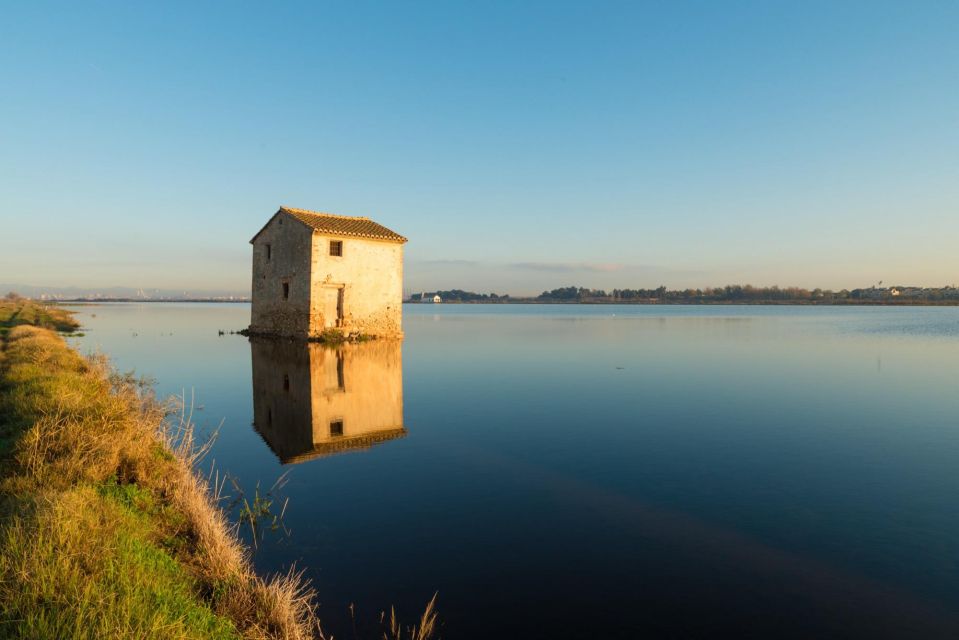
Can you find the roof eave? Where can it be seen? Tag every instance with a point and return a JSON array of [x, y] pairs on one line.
[[353, 236]]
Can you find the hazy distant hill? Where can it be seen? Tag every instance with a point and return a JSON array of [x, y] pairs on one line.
[[36, 291]]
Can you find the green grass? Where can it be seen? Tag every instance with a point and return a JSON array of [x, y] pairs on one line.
[[332, 336], [22, 311], [85, 565], [105, 531], [335, 337], [82, 555]]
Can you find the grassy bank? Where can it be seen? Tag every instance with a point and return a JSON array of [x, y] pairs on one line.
[[105, 530], [18, 312]]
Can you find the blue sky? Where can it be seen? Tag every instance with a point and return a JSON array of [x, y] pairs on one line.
[[520, 146]]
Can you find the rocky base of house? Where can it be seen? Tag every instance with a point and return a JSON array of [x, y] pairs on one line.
[[328, 336]]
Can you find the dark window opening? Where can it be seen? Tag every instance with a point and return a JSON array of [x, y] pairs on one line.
[[336, 247], [269, 417], [286, 290], [336, 428], [286, 382], [269, 252]]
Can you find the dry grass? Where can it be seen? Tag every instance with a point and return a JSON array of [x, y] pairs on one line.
[[22, 311], [106, 529], [280, 607], [426, 629]]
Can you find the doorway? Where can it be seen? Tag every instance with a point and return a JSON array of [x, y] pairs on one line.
[[332, 307]]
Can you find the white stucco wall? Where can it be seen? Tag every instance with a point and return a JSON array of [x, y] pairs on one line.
[[371, 275]]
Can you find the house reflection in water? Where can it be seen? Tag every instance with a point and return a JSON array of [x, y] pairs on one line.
[[310, 400]]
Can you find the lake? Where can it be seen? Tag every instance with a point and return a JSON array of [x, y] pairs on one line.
[[590, 471]]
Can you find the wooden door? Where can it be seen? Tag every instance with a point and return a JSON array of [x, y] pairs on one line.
[[332, 307], [330, 299]]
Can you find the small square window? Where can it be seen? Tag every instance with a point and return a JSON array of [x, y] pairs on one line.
[[336, 248], [286, 290], [336, 428], [269, 252]]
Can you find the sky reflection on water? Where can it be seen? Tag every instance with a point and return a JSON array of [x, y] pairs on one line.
[[572, 471]]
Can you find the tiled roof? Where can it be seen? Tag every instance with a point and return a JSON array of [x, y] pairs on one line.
[[343, 225]]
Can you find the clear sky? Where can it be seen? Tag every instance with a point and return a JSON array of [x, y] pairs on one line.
[[519, 145]]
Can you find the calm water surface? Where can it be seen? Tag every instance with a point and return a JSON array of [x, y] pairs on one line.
[[593, 472]]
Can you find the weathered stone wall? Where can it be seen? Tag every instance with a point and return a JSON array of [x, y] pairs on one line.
[[371, 275], [291, 248], [301, 388]]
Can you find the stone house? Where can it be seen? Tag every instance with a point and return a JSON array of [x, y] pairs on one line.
[[317, 271]]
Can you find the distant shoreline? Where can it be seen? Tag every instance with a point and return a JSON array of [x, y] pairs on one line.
[[99, 300], [899, 302], [703, 303]]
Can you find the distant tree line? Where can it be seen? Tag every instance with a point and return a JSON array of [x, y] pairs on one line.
[[573, 293], [458, 295], [733, 294], [749, 293]]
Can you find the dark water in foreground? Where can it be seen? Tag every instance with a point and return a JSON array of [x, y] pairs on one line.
[[594, 472]]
